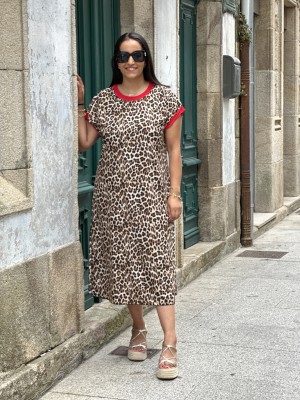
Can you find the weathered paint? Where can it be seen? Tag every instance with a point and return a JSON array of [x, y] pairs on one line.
[[51, 223], [228, 106], [166, 42]]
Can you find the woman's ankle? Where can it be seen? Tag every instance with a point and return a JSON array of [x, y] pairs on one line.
[[139, 326], [170, 339]]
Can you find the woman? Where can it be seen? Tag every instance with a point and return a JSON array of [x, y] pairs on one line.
[[137, 194]]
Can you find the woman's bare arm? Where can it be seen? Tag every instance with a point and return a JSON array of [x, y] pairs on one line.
[[87, 134], [172, 137]]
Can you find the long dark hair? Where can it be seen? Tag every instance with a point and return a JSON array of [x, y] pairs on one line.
[[149, 74]]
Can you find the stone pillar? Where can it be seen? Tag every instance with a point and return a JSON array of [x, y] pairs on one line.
[[291, 132], [217, 186], [268, 112]]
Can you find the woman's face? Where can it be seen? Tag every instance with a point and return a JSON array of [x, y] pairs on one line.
[[131, 69]]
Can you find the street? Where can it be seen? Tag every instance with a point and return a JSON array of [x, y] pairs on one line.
[[238, 334]]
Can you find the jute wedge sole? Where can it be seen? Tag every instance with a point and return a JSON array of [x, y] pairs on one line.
[[137, 355], [167, 373], [172, 371], [133, 354]]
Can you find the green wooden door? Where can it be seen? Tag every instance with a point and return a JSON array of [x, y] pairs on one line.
[[188, 91], [98, 27]]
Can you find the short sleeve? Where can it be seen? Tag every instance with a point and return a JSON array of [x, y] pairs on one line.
[[172, 108], [93, 114]]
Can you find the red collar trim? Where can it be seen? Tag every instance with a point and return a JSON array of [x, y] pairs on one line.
[[130, 98]]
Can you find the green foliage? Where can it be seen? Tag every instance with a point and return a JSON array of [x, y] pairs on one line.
[[244, 31]]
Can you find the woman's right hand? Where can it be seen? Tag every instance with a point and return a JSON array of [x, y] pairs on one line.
[[80, 88]]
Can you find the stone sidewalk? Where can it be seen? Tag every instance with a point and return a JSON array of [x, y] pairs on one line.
[[238, 326]]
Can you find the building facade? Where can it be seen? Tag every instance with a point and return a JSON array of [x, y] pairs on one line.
[[45, 188]]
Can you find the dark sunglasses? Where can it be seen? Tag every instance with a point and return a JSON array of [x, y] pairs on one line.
[[138, 56]]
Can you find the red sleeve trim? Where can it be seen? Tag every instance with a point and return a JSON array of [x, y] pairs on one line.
[[87, 119], [179, 112]]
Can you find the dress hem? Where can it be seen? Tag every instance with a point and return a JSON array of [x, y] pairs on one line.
[[153, 303]]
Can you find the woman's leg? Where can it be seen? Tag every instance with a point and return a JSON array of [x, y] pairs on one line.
[[166, 316], [138, 339], [136, 312]]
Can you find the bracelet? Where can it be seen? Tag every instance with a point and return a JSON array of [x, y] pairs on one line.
[[172, 194], [81, 115], [81, 104]]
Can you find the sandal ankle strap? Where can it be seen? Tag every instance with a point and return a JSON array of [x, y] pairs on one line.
[[135, 334]]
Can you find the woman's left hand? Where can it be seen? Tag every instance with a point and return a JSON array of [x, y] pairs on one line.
[[174, 208]]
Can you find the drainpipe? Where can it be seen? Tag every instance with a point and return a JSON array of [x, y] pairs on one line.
[[246, 166]]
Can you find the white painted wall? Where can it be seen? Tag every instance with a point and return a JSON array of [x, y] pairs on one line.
[[228, 106], [166, 49], [51, 222]]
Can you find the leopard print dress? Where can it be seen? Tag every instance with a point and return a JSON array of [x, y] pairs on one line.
[[132, 244]]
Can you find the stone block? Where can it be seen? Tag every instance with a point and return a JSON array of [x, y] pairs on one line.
[[66, 296], [13, 146], [237, 159], [265, 94], [144, 21], [238, 204], [212, 213], [11, 199], [11, 33], [278, 93], [137, 16], [25, 34], [291, 134], [21, 179], [268, 140], [126, 14], [277, 145], [291, 95], [208, 68], [210, 153], [291, 30], [291, 175], [291, 58], [279, 184], [263, 139], [209, 115], [264, 49], [24, 310], [209, 23], [265, 19], [278, 61], [265, 187], [231, 204]]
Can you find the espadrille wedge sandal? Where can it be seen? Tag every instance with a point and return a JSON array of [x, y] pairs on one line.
[[171, 372], [137, 351]]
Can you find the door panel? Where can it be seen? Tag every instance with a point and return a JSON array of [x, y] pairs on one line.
[[98, 27], [188, 92]]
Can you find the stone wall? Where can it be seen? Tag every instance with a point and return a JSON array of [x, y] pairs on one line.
[[41, 296], [41, 305], [39, 134]]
